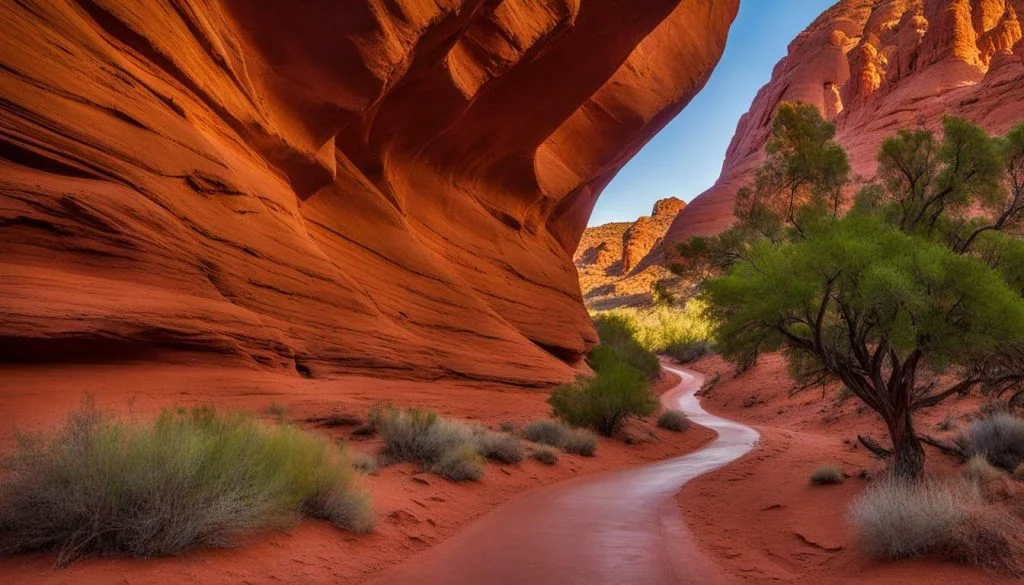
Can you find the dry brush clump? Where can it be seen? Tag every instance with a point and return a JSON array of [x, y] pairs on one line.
[[187, 479], [451, 449], [420, 436], [999, 438], [556, 434], [673, 420], [950, 519], [545, 455]]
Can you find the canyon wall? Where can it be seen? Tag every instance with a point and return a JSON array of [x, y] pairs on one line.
[[873, 67], [619, 262], [386, 186]]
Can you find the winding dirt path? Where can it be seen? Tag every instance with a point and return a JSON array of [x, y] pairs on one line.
[[621, 527]]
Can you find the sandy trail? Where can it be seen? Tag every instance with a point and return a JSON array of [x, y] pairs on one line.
[[618, 527]]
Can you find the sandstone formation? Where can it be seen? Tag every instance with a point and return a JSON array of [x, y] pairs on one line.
[[618, 262], [393, 186], [873, 67]]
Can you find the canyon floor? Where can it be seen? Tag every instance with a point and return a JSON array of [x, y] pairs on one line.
[[758, 519], [414, 511]]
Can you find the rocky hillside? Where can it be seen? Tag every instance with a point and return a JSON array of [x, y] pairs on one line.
[[873, 67], [618, 262], [394, 186]]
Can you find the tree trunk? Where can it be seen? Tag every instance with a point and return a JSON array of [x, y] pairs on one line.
[[908, 455]]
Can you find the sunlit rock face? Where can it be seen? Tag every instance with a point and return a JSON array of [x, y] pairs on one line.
[[873, 67], [394, 186]]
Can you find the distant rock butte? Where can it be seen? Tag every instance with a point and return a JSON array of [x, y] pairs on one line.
[[618, 262], [387, 186], [873, 67]]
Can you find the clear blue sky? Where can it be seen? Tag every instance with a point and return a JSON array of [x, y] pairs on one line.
[[685, 158]]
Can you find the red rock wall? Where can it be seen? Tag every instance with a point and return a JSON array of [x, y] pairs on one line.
[[874, 67], [385, 185]]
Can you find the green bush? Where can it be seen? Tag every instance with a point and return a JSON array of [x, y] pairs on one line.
[[546, 432], [442, 447], [545, 455], [185, 480], [897, 519], [580, 442], [617, 335], [687, 351], [666, 329], [673, 420], [604, 402], [827, 476], [999, 438], [499, 447]]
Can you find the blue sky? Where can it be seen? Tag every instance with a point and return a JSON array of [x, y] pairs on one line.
[[685, 158]]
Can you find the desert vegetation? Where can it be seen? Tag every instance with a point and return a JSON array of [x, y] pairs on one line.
[[451, 449], [896, 518], [556, 434], [673, 420], [680, 331], [916, 281], [621, 385], [189, 478]]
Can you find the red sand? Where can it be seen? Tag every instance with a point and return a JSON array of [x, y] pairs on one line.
[[760, 518], [411, 516]]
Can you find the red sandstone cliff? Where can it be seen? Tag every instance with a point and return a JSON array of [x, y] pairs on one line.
[[395, 185], [873, 67], [618, 262]]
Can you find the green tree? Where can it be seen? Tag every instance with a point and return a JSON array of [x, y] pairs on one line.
[[918, 283]]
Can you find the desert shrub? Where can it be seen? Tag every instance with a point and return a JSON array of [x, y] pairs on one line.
[[617, 335], [507, 427], [999, 438], [687, 351], [979, 469], [184, 480], [499, 447], [898, 519], [545, 455], [341, 420], [364, 463], [827, 476], [546, 432], [460, 463], [580, 442], [673, 420], [442, 447], [603, 402], [1019, 472], [668, 329]]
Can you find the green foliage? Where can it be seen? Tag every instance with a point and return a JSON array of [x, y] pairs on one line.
[[667, 329], [185, 480], [911, 279], [673, 420], [604, 402], [442, 447], [617, 333], [912, 295]]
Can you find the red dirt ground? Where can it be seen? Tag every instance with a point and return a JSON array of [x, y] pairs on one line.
[[411, 515], [763, 521]]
